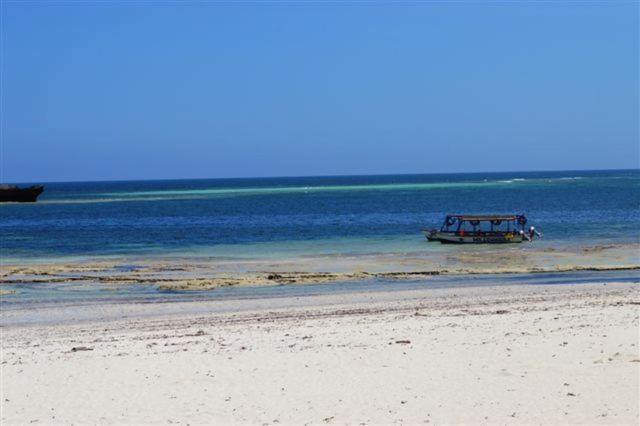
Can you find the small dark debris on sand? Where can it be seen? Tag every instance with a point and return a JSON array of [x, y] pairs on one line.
[[80, 348]]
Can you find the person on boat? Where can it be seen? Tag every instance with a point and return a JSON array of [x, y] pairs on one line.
[[524, 236], [533, 233]]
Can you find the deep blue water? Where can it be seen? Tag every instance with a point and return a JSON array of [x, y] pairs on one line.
[[246, 217]]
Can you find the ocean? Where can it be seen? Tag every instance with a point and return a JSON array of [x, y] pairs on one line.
[[332, 215]]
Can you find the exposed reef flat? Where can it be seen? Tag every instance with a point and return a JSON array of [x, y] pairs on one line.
[[184, 273]]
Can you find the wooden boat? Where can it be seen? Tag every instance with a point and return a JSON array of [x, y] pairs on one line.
[[20, 195], [480, 229]]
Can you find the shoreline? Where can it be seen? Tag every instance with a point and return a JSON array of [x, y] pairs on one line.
[[81, 302], [177, 273], [511, 355]]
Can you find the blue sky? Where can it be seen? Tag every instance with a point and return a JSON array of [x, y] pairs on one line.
[[144, 90]]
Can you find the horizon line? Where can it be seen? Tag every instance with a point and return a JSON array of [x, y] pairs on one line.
[[318, 176]]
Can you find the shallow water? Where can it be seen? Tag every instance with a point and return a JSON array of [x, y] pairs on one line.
[[72, 302]]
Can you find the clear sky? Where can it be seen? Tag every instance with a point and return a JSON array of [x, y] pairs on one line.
[[149, 90]]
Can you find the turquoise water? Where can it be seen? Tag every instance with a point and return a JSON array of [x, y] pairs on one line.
[[253, 218]]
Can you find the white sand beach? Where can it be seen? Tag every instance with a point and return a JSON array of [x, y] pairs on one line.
[[557, 354]]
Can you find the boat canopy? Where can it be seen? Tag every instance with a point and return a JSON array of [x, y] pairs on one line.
[[464, 217]]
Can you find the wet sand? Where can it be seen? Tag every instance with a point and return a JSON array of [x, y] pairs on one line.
[[553, 354]]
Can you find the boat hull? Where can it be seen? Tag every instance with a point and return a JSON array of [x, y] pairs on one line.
[[20, 195], [485, 238]]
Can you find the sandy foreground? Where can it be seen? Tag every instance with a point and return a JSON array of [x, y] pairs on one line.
[[552, 354]]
